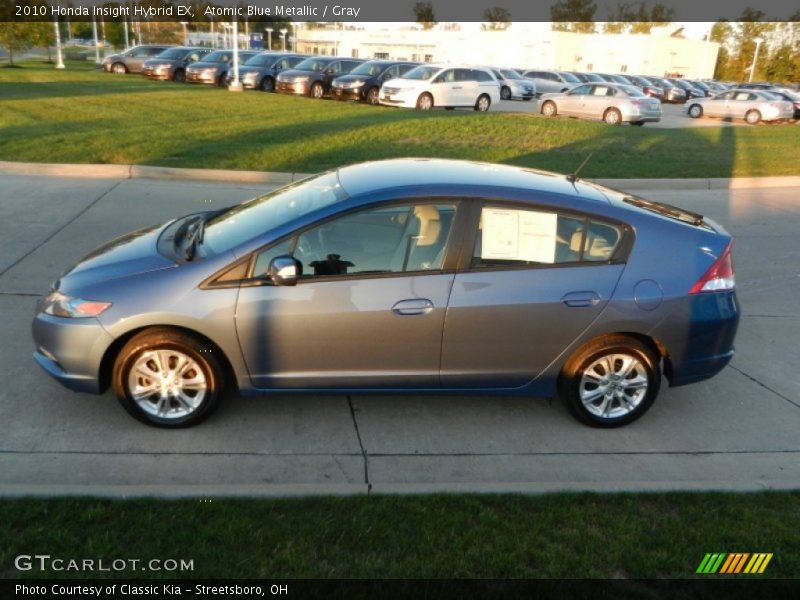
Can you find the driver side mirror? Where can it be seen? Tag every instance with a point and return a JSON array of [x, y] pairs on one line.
[[284, 270]]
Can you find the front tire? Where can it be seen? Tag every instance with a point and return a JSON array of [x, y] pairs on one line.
[[483, 103], [425, 102], [119, 68], [372, 96], [695, 111], [179, 76], [505, 93], [316, 91], [753, 117], [610, 382], [549, 109], [166, 378], [612, 116], [267, 84]]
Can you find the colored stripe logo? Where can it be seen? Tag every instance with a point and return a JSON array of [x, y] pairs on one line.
[[732, 563]]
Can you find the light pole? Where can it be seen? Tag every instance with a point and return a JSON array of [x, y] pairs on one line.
[[59, 57], [185, 25], [269, 38], [283, 39], [758, 42], [236, 85], [96, 44]]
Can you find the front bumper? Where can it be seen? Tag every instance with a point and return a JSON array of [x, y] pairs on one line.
[[157, 74], [199, 77], [292, 87], [71, 350], [356, 94]]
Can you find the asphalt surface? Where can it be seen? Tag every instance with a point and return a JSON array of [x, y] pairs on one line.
[[737, 431]]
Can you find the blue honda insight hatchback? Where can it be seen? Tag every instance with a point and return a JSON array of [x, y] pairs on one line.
[[401, 276]]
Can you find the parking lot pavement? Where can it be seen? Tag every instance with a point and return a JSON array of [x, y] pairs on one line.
[[736, 431], [673, 116]]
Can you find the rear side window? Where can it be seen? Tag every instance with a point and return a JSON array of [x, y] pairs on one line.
[[479, 75], [514, 237]]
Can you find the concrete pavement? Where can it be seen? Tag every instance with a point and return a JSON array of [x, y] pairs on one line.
[[737, 431]]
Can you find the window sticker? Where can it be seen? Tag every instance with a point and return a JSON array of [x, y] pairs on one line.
[[518, 235]]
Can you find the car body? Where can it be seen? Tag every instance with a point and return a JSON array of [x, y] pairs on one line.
[[672, 93], [751, 105], [514, 86], [260, 71], [313, 76], [449, 86], [646, 86], [132, 59], [171, 64], [548, 82], [364, 82], [614, 103], [480, 278], [691, 91], [214, 68]]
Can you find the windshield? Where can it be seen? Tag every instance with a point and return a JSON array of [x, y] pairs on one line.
[[218, 57], [369, 68], [510, 74], [312, 64], [631, 90], [570, 77], [260, 60], [173, 53], [245, 221], [423, 73]]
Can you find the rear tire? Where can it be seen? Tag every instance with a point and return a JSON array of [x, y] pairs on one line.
[[611, 381], [695, 111], [612, 116], [753, 117], [483, 103], [167, 378]]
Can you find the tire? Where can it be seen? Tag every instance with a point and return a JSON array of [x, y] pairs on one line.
[[222, 80], [162, 402], [637, 123], [612, 116], [753, 117], [316, 90], [624, 402], [483, 103], [372, 96], [119, 68], [267, 84], [425, 102], [505, 93], [695, 111], [549, 108], [179, 76]]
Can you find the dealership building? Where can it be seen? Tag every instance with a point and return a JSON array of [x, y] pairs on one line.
[[521, 45]]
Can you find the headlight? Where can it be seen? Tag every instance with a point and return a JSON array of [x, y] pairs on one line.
[[61, 305], [209, 71], [354, 84]]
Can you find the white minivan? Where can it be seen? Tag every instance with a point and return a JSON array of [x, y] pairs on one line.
[[448, 86]]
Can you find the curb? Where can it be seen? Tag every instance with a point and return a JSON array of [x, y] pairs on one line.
[[272, 177]]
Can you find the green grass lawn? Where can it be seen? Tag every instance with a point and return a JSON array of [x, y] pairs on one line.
[[440, 536], [83, 115]]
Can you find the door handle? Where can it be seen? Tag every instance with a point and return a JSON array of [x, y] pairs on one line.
[[417, 306], [458, 87], [581, 299]]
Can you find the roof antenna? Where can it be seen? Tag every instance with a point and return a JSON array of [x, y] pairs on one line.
[[573, 177]]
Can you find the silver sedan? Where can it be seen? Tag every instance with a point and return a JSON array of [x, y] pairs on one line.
[[753, 106], [613, 103]]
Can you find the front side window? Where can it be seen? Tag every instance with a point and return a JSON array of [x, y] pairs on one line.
[[581, 90], [391, 239], [514, 237]]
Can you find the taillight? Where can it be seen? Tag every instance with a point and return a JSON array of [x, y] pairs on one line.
[[719, 276]]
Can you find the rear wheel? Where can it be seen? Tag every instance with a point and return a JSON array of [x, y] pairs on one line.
[[372, 96], [267, 84], [317, 90], [695, 111], [179, 76], [549, 109], [611, 381], [167, 378], [505, 93], [753, 117], [425, 102], [612, 116], [483, 103], [119, 68]]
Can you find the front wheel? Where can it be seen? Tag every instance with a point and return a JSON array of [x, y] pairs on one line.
[[549, 109], [372, 96], [505, 93], [167, 378], [610, 382], [179, 76], [119, 68], [753, 117], [695, 111], [483, 103], [425, 102], [267, 84], [317, 90]]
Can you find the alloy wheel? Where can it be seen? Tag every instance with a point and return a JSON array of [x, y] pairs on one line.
[[167, 383], [613, 385]]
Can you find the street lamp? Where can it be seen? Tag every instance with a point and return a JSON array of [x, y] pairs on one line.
[[59, 57], [185, 25], [758, 42], [269, 38], [283, 39], [236, 85], [96, 45]]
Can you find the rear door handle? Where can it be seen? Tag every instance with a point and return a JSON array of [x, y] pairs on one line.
[[417, 306], [581, 299]]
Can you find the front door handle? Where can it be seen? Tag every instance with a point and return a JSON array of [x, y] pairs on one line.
[[581, 299], [417, 306]]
